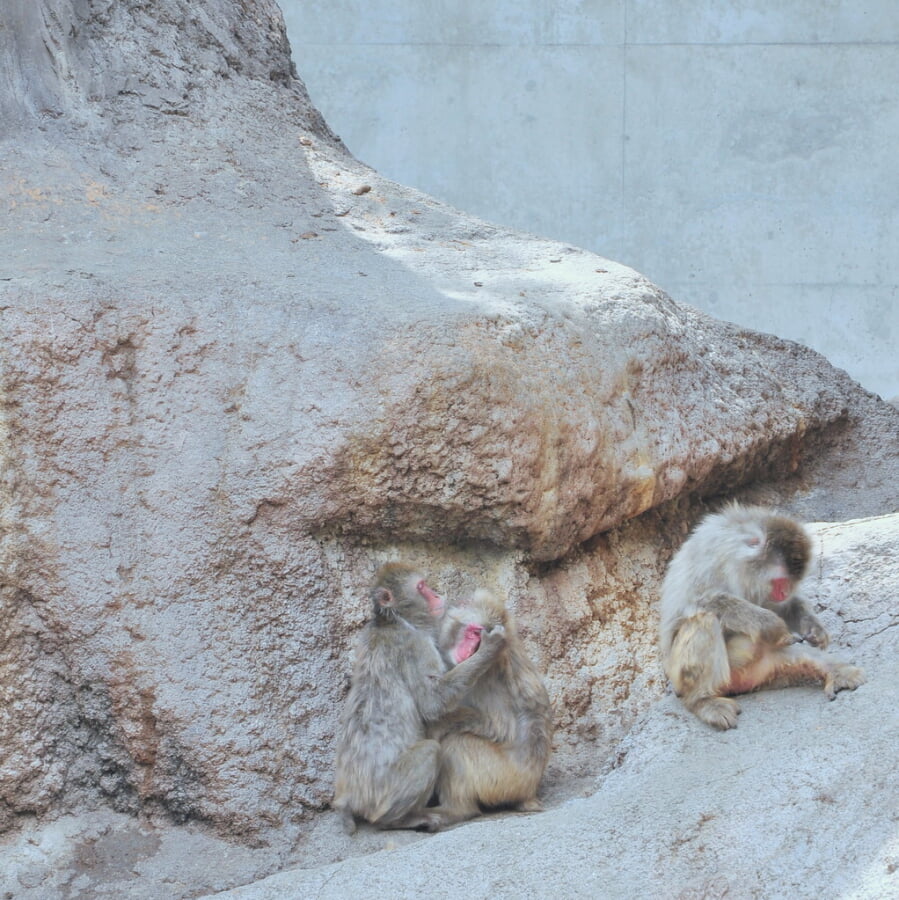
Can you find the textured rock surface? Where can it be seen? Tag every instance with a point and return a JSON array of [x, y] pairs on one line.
[[234, 380], [798, 802]]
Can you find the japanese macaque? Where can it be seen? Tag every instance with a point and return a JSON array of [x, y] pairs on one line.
[[386, 765], [731, 617], [495, 747]]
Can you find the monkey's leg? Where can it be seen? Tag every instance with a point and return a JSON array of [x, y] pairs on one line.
[[409, 785], [477, 773], [798, 664], [698, 668], [458, 778]]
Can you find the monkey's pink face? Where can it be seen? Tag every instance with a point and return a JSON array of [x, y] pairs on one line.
[[781, 588], [435, 601], [780, 585], [468, 643]]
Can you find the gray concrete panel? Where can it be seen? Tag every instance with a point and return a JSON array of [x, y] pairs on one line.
[[761, 21], [357, 22], [741, 155], [441, 106], [747, 170]]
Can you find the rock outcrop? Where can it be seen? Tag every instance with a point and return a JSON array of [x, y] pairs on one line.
[[239, 369]]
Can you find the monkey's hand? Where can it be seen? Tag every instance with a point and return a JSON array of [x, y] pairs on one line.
[[773, 631], [814, 633], [804, 622], [493, 641]]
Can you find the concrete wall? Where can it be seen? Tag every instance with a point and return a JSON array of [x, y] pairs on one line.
[[742, 155]]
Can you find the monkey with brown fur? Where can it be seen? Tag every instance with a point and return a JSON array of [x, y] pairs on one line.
[[386, 766], [730, 615], [495, 747]]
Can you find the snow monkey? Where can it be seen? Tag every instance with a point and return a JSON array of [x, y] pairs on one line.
[[495, 747], [731, 616], [386, 766]]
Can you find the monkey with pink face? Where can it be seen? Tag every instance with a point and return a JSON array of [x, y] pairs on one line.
[[387, 764], [495, 746], [731, 615]]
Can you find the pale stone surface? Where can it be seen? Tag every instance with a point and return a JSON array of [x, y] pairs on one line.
[[240, 369]]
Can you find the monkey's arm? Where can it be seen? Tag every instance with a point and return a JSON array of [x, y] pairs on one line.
[[741, 617], [463, 719], [452, 685], [802, 621]]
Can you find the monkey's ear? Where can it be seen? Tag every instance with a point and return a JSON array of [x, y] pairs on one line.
[[383, 598]]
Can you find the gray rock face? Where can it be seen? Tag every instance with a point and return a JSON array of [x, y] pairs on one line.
[[239, 370]]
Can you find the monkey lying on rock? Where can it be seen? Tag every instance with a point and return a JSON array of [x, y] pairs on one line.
[[495, 746], [386, 766], [730, 615]]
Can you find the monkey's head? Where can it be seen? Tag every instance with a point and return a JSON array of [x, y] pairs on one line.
[[789, 550], [462, 626], [399, 590], [774, 554]]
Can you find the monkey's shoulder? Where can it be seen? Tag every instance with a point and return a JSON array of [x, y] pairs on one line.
[[514, 682]]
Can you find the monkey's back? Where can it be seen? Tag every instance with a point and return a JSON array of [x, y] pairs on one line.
[[513, 699], [382, 718]]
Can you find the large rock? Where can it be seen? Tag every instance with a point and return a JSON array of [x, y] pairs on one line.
[[239, 369]]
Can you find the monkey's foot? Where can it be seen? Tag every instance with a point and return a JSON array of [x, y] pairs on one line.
[[347, 819], [532, 805], [719, 712], [843, 677], [417, 820]]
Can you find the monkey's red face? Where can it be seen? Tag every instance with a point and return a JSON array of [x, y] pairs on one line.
[[781, 589], [468, 643], [780, 584], [435, 601]]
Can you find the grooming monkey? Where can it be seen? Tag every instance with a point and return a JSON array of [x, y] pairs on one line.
[[386, 766], [730, 615], [495, 747]]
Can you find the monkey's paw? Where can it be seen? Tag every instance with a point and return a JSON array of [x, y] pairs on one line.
[[843, 677], [495, 638], [719, 712], [774, 631], [816, 636], [431, 823]]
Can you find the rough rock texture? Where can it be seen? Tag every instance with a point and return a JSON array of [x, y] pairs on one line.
[[798, 802], [238, 370]]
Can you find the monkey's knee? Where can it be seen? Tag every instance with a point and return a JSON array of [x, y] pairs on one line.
[[409, 786], [697, 661]]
